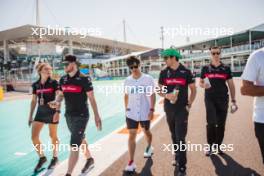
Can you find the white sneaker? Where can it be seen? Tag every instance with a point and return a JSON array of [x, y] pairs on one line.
[[148, 152], [131, 167]]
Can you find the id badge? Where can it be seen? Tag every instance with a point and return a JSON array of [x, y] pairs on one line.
[[41, 101]]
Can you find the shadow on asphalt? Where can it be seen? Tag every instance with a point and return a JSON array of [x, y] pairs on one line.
[[230, 167], [146, 170]]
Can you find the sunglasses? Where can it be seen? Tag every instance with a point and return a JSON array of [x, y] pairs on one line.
[[133, 67], [217, 53], [65, 64], [167, 57]]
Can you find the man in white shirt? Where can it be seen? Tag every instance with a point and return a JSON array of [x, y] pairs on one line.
[[139, 105], [253, 85]]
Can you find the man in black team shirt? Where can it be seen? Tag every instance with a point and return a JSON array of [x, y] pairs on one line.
[[75, 88], [177, 79], [213, 79]]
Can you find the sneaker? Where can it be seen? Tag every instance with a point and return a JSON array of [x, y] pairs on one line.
[[175, 163], [220, 152], [182, 171], [53, 163], [131, 167], [208, 153], [68, 175], [89, 165], [148, 152], [41, 161]]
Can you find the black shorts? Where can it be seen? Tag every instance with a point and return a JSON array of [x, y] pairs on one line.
[[77, 126], [45, 115], [132, 124]]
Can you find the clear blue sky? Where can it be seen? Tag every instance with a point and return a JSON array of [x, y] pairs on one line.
[[144, 17]]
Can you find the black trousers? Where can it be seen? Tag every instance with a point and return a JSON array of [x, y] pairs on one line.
[[216, 113], [178, 122], [259, 132]]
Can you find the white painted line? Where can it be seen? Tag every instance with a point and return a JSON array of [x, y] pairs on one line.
[[113, 146]]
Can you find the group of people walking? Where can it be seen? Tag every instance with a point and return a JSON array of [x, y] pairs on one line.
[[139, 101]]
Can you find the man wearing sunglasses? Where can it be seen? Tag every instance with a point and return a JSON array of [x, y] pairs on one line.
[[213, 79], [75, 89], [139, 104], [177, 80]]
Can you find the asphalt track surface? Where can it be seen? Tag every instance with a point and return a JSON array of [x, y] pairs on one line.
[[244, 160]]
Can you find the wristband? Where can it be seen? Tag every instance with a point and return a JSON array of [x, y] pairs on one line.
[[152, 109], [58, 111]]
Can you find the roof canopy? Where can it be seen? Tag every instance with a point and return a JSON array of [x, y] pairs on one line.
[[24, 33], [237, 38]]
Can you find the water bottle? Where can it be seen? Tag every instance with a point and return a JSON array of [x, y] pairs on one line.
[[207, 81], [175, 92]]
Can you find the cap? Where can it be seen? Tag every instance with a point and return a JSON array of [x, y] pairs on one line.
[[171, 52], [69, 58]]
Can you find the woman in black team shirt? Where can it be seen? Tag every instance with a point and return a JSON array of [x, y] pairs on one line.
[[44, 91]]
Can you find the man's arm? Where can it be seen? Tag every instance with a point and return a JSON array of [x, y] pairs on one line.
[[57, 102], [59, 96], [160, 92], [201, 83], [97, 118], [126, 101], [152, 101], [232, 89], [169, 96], [248, 88], [92, 100], [192, 94]]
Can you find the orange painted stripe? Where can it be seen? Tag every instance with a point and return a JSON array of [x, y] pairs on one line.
[[125, 130]]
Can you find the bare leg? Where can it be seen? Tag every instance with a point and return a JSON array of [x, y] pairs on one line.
[[132, 143], [74, 156], [85, 149], [54, 138], [36, 128], [148, 136]]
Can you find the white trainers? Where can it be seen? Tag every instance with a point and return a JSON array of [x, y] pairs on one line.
[[131, 167], [148, 152]]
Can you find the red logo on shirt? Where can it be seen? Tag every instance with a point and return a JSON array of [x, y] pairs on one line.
[[175, 81], [216, 75], [48, 90], [71, 88]]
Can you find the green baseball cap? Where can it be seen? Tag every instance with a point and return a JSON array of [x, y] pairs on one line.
[[171, 52]]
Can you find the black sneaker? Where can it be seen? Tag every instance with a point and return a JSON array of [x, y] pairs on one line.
[[175, 163], [41, 161], [182, 171], [53, 163], [89, 165], [208, 153], [220, 152]]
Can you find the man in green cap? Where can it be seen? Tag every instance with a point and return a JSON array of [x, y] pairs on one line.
[[177, 79]]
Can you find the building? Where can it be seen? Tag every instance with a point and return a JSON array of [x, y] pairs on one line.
[[235, 48], [150, 63]]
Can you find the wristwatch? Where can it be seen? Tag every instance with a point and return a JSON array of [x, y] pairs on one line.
[[152, 109], [58, 111], [233, 101]]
